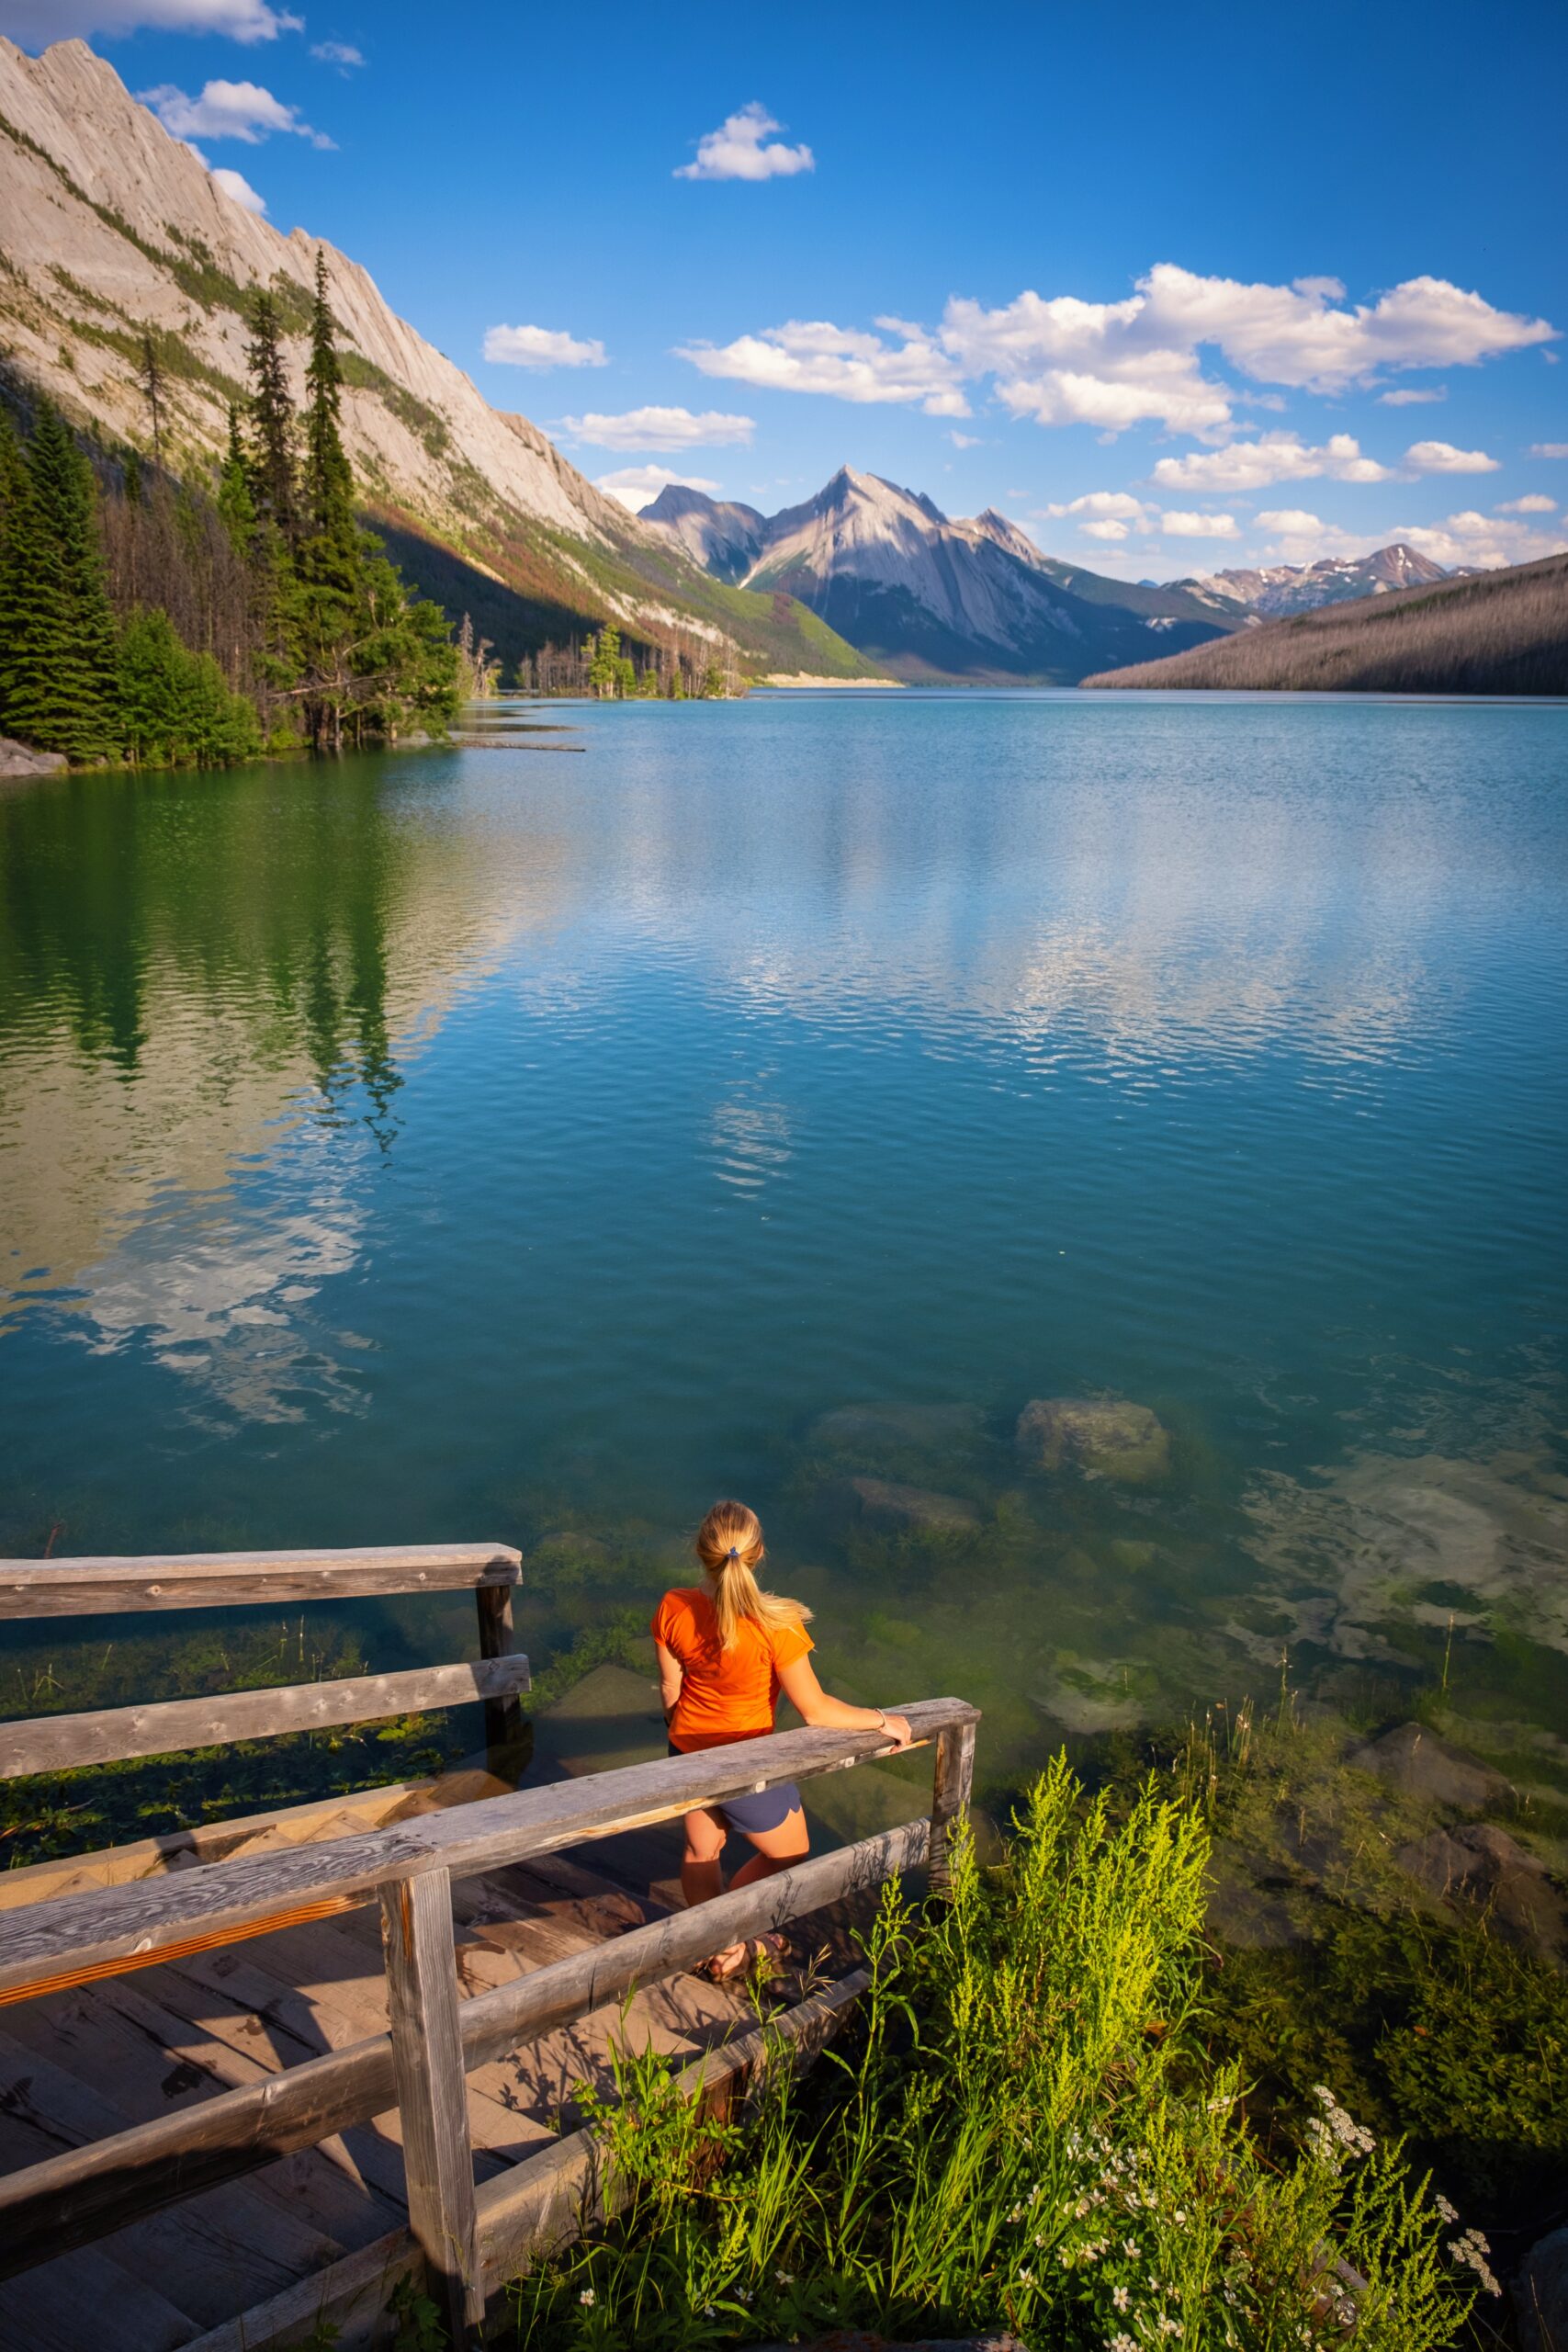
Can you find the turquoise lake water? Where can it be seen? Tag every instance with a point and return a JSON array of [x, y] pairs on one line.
[[534, 1141]]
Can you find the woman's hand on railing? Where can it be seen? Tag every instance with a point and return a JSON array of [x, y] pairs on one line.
[[899, 1727]]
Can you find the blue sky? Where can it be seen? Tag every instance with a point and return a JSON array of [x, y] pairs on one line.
[[1144, 280]]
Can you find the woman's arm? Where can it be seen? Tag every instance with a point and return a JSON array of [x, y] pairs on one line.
[[801, 1688], [671, 1674]]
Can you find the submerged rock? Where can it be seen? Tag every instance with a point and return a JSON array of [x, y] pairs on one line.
[[1482, 1865], [1099, 1436], [1417, 1761], [887, 1504], [20, 759]]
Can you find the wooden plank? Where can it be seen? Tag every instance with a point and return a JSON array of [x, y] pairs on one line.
[[95, 1586], [503, 1716], [88, 2303], [953, 1779], [86, 2192], [539, 2204], [82, 1937], [60, 1743], [427, 2058]]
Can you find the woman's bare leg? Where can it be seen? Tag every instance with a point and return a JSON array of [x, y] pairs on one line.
[[775, 1850], [702, 1873]]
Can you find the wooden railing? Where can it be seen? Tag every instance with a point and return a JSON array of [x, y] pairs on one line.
[[463, 2243]]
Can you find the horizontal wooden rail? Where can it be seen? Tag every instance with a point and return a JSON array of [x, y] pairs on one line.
[[544, 2202], [84, 2194], [52, 1944], [101, 1587], [60, 1743]]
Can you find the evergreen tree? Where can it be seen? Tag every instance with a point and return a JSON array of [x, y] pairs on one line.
[[58, 685], [176, 707], [150, 374], [604, 675], [234, 501], [274, 484], [331, 616]]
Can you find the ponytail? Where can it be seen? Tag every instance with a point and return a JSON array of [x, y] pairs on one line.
[[729, 1545]]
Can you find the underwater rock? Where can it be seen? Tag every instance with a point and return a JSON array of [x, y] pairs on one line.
[[1244, 1913], [1482, 1865], [1417, 1761], [1541, 2294], [883, 1425], [887, 1504], [1100, 1437]]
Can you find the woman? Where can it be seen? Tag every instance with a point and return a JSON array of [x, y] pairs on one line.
[[726, 1650]]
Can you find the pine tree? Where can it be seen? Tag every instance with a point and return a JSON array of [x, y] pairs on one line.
[[330, 559], [176, 707], [149, 373], [58, 687], [274, 484], [234, 501]]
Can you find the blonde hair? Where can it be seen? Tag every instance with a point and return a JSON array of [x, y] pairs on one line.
[[729, 1545]]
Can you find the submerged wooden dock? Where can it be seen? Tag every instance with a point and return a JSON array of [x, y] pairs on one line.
[[254, 2075]]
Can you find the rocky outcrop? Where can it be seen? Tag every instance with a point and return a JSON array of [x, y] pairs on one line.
[[1480, 1866], [1541, 2295], [22, 760], [880, 1426], [1417, 1761], [1097, 1437]]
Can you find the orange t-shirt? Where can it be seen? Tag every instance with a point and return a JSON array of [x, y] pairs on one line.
[[725, 1694]]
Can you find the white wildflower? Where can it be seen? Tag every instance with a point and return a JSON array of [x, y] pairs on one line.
[[1120, 2298], [587, 2296], [1445, 2209], [1130, 2248]]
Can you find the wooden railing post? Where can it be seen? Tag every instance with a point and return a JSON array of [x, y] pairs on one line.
[[951, 1782], [433, 2099], [503, 1717]]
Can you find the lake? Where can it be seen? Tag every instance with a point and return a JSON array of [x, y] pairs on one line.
[[536, 1140]]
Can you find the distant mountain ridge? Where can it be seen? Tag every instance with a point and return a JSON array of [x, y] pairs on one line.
[[1502, 632], [927, 597], [113, 228], [1333, 579]]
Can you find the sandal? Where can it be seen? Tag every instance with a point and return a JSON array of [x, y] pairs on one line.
[[754, 1952]]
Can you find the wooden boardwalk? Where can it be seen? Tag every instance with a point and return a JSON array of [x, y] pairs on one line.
[[79, 2065], [252, 2075]]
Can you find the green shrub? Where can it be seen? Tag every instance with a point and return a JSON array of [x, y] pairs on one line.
[[1026, 2131]]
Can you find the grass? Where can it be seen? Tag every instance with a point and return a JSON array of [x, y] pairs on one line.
[[1503, 633], [1027, 2130]]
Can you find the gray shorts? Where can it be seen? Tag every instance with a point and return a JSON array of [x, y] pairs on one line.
[[770, 1809]]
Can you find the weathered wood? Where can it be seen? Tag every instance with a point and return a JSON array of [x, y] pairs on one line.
[[88, 2191], [49, 1944], [503, 1716], [953, 1779], [60, 1743], [541, 2204], [93, 1586], [427, 2058]]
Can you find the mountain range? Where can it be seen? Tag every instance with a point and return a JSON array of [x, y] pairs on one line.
[[1502, 632], [114, 230], [1334, 580], [925, 597]]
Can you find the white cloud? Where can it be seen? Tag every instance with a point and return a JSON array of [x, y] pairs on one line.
[[740, 150], [662, 428], [1275, 456], [1112, 513], [1408, 397], [1532, 504], [639, 486], [228, 110], [337, 52], [1291, 522], [1111, 364], [1471, 538], [1442, 457], [964, 440], [1107, 528], [540, 347], [1179, 526], [814, 356], [1549, 448], [235, 184], [37, 21]]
